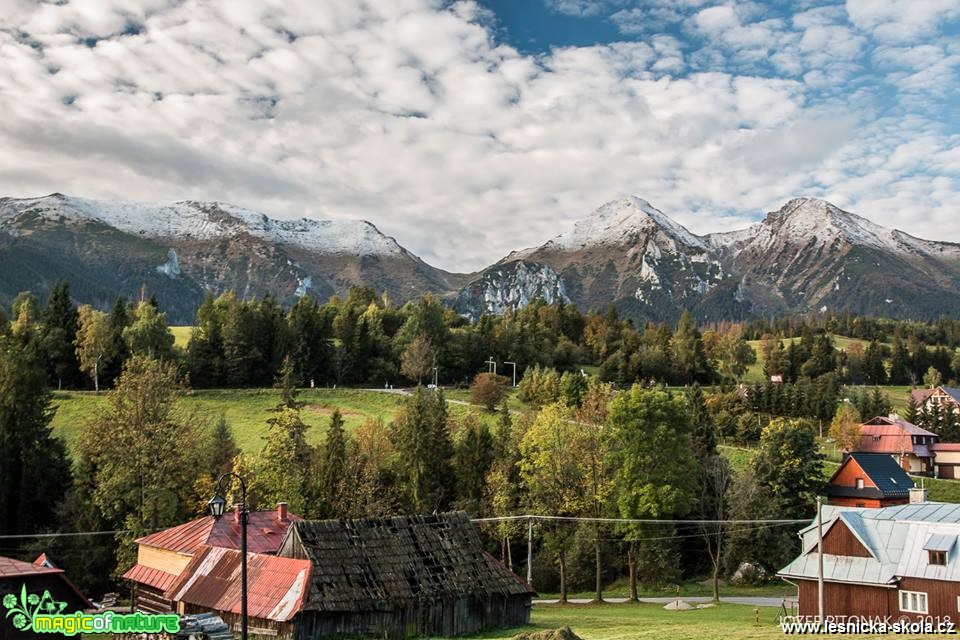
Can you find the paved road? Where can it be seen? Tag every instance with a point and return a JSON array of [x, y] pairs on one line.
[[753, 601]]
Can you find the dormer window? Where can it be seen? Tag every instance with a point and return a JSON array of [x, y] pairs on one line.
[[937, 557]]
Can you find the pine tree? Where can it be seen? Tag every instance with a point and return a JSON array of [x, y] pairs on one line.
[[873, 370], [282, 468], [424, 451], [332, 468], [58, 332], [912, 411], [117, 351], [287, 383], [899, 363], [34, 469], [472, 459]]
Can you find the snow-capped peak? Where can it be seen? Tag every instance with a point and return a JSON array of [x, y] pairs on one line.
[[620, 222], [803, 218], [207, 220]]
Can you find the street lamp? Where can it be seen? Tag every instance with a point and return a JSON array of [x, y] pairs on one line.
[[493, 366], [514, 371], [436, 374], [217, 505]]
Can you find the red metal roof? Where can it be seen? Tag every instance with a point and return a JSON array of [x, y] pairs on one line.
[[149, 576], [265, 532], [10, 568], [894, 426], [946, 446], [276, 586]]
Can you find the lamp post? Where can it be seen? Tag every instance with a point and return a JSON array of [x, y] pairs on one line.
[[514, 370], [492, 368], [217, 505]]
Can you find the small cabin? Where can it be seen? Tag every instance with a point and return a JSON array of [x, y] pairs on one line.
[[402, 577], [868, 480]]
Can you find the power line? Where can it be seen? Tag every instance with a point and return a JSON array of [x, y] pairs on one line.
[[635, 520], [71, 534]]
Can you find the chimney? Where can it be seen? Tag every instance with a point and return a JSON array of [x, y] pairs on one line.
[[918, 495], [281, 511], [236, 513]]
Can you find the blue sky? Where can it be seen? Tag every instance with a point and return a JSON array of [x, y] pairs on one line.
[[468, 128]]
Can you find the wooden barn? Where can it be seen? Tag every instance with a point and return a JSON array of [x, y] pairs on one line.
[[401, 577], [901, 561]]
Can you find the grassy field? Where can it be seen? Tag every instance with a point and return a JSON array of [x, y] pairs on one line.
[[246, 410], [614, 621], [181, 336]]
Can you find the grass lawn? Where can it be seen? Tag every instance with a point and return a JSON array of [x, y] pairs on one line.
[[610, 621], [246, 410], [181, 336], [621, 589]]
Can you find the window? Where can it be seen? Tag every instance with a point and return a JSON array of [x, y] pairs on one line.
[[913, 601], [861, 505], [859, 483], [876, 438], [937, 557]]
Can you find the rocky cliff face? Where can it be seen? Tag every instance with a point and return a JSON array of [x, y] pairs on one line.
[[510, 285], [807, 256], [181, 250]]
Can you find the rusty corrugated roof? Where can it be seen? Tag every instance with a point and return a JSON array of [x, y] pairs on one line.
[[265, 532], [149, 576], [276, 586]]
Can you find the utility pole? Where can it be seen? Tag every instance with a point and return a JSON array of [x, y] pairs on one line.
[[820, 558], [436, 372], [514, 371], [530, 551]]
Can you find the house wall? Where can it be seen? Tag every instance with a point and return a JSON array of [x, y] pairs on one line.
[[848, 474], [839, 541], [868, 503], [847, 599], [447, 618], [150, 600], [941, 597], [163, 559]]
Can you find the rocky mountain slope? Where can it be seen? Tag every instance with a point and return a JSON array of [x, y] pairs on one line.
[[183, 249], [807, 256]]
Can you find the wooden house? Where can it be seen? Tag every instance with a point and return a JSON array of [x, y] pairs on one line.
[[942, 397], [868, 480], [39, 577], [401, 577], [210, 583], [163, 556], [909, 444], [901, 561]]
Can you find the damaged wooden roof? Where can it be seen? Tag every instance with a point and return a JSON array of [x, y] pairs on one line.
[[276, 586], [265, 531], [380, 564]]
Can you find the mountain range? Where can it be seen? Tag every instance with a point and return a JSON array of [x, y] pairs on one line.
[[807, 256]]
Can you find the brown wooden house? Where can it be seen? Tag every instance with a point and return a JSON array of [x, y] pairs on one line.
[[901, 561], [401, 577], [162, 556], [944, 398], [868, 480]]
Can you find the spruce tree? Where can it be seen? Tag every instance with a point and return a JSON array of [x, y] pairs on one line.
[[332, 468], [117, 352], [59, 331]]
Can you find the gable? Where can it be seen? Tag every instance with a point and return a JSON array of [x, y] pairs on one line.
[[847, 474], [840, 541]]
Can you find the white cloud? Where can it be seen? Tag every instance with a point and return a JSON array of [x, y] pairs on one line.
[[408, 113]]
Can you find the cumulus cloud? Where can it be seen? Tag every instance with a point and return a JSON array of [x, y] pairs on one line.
[[412, 114]]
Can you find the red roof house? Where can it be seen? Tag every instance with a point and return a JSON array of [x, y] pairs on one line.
[[163, 556], [909, 444], [211, 582]]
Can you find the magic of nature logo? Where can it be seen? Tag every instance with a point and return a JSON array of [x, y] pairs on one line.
[[43, 614]]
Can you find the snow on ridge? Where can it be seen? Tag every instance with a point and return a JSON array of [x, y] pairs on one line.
[[614, 223], [200, 220]]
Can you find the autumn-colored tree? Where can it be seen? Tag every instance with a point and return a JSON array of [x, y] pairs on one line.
[[93, 341], [488, 390], [283, 464], [845, 427], [149, 334], [417, 359], [141, 446]]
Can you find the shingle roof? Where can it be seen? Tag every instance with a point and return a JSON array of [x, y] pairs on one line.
[[379, 564], [276, 586], [884, 471], [264, 533], [896, 537]]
